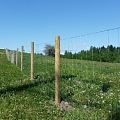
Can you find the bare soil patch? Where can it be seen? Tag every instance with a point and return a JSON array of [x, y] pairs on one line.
[[64, 105]]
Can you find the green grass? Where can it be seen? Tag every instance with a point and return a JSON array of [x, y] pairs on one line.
[[92, 88]]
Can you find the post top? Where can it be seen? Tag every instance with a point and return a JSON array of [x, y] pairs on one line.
[[57, 37]]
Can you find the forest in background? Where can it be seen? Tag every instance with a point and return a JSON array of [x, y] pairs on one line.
[[103, 54]]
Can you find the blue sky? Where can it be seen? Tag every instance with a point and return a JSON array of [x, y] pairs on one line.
[[24, 21]]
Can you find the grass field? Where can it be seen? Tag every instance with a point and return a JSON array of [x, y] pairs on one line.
[[92, 89]]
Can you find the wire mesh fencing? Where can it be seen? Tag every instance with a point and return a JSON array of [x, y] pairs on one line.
[[90, 74], [44, 61], [82, 77]]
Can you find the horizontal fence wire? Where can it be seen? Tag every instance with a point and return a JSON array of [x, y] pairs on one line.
[[89, 78], [90, 74]]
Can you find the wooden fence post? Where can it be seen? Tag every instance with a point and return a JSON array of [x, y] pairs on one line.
[[57, 69], [32, 60], [17, 57], [22, 49], [12, 57], [7, 53]]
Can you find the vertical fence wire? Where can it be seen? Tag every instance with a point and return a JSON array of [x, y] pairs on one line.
[[89, 77], [101, 70]]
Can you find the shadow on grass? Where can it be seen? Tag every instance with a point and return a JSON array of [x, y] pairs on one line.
[[25, 86], [104, 87], [67, 76], [114, 116], [115, 113], [37, 81]]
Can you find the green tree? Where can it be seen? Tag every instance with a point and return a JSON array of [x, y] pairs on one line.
[[68, 54], [49, 50]]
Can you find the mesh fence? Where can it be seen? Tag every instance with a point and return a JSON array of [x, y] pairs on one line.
[[89, 80]]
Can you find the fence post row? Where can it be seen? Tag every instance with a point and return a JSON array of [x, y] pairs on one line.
[[32, 60], [57, 65], [57, 69], [22, 49]]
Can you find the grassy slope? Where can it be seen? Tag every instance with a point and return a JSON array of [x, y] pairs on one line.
[[22, 98], [9, 73], [91, 87]]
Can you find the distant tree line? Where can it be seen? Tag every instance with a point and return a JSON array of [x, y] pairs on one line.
[[103, 54]]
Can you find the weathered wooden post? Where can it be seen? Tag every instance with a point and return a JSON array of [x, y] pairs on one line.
[[32, 60], [17, 57], [12, 57], [6, 50], [7, 53], [57, 69], [22, 49]]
